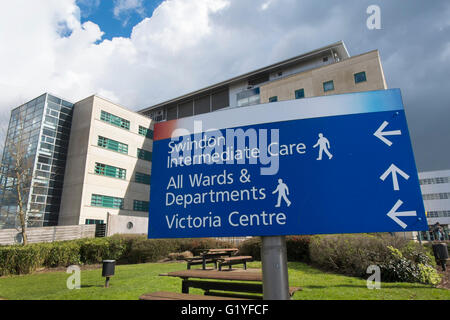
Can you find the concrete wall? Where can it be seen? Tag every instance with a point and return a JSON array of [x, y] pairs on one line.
[[47, 234], [81, 181], [342, 74], [127, 224]]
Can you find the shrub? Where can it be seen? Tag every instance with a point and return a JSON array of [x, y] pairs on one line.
[[95, 250], [251, 247], [64, 253], [143, 250], [18, 259], [297, 248], [398, 259], [399, 268], [195, 245]]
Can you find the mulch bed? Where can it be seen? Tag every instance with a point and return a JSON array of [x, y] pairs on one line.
[[445, 283]]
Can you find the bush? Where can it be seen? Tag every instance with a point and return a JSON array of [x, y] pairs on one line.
[[398, 259], [399, 268], [141, 250], [195, 245], [18, 259], [64, 253], [251, 247], [95, 250], [297, 248]]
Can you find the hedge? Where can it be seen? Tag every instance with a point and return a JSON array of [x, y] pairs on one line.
[[398, 259], [297, 248], [351, 254], [18, 259]]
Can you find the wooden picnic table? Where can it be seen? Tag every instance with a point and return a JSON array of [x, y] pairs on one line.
[[234, 284], [214, 254], [212, 281]]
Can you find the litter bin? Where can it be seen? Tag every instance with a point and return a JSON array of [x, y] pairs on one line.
[[108, 269], [441, 254]]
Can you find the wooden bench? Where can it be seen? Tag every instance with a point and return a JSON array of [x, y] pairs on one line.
[[164, 295], [198, 260], [230, 261]]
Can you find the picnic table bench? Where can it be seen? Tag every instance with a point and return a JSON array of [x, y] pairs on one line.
[[239, 285], [209, 256], [164, 295], [230, 261]]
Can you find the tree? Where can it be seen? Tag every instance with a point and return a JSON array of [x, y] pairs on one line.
[[17, 170]]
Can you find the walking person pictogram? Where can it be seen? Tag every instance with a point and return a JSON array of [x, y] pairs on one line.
[[283, 192], [323, 145]]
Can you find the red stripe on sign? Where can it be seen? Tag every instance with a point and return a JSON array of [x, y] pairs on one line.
[[163, 130]]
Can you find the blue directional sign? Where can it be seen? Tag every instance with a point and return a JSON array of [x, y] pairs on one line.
[[333, 164]]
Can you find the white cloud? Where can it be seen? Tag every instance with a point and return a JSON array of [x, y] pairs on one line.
[[124, 8]]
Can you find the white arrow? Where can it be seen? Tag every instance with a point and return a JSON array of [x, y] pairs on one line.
[[393, 169], [393, 214], [380, 134]]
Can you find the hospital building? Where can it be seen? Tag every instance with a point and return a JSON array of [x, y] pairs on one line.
[[92, 159]]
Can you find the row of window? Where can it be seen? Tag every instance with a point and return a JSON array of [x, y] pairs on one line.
[[435, 180], [327, 86], [119, 173], [98, 200], [436, 196], [117, 146], [438, 214], [124, 123]]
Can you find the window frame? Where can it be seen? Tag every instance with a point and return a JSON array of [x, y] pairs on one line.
[[355, 76], [328, 82]]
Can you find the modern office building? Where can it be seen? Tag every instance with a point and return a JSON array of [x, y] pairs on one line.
[[36, 144], [328, 70], [108, 165], [435, 186]]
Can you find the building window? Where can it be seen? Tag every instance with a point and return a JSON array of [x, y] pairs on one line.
[[94, 221], [434, 180], [360, 77], [115, 120], [140, 177], [146, 132], [273, 99], [328, 86], [248, 97], [144, 154], [112, 145], [300, 93], [110, 171], [98, 200], [139, 205], [436, 196]]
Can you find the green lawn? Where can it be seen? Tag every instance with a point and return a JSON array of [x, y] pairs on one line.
[[131, 281]]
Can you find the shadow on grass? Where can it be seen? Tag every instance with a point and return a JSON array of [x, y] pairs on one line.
[[91, 286], [383, 286]]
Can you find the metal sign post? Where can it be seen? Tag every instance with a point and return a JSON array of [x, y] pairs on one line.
[[274, 268]]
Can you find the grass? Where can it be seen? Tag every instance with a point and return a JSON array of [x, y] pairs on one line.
[[131, 281]]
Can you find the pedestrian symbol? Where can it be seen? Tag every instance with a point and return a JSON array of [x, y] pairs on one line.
[[283, 192], [323, 145]]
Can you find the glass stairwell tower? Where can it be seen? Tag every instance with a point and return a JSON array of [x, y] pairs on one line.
[[39, 133]]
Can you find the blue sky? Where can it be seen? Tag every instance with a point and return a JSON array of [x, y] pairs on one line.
[[112, 18]]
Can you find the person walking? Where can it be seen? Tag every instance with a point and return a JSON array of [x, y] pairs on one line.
[[323, 145], [283, 192]]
